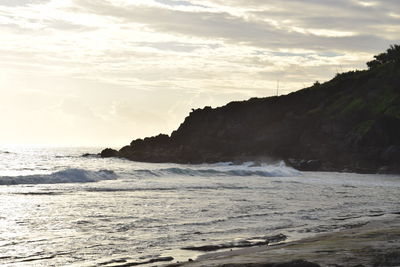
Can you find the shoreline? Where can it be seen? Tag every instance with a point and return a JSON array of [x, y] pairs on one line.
[[376, 243], [298, 164]]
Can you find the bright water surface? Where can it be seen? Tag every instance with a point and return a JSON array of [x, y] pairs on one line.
[[60, 209]]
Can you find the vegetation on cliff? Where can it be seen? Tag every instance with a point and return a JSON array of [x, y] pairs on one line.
[[351, 122]]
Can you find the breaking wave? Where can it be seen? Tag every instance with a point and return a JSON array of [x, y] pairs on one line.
[[64, 176], [76, 175], [224, 169]]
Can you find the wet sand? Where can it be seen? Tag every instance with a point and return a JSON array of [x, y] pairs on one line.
[[377, 243]]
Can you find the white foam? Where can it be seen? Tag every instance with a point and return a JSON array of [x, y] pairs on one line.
[[223, 169], [65, 176]]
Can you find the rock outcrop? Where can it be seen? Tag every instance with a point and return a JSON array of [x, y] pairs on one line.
[[350, 123], [108, 153]]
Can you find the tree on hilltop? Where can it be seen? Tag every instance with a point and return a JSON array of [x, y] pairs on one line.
[[392, 55]]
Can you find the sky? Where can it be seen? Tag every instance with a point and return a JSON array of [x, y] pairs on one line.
[[101, 73]]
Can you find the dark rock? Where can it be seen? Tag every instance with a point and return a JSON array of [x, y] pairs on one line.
[[159, 259], [88, 155], [309, 165], [295, 263], [154, 141], [203, 248], [168, 258], [391, 154], [265, 240], [275, 238], [388, 259], [108, 153]]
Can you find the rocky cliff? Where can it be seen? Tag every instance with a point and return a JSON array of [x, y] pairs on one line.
[[350, 123]]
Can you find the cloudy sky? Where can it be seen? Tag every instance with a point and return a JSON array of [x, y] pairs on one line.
[[97, 72]]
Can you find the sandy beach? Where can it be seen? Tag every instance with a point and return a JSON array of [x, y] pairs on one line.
[[376, 243]]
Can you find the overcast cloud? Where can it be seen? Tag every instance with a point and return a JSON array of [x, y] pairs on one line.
[[104, 72]]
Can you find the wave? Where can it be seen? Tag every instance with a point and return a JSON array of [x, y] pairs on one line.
[[223, 169], [75, 175], [65, 176]]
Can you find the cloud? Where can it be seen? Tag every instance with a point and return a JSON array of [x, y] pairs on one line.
[[177, 3], [255, 31], [66, 25], [14, 3], [176, 46]]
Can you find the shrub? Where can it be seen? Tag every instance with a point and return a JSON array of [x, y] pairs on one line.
[[392, 55]]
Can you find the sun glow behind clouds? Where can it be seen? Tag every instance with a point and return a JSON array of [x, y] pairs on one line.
[[89, 73], [324, 32], [367, 4]]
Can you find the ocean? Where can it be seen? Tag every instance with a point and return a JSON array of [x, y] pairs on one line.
[[58, 208]]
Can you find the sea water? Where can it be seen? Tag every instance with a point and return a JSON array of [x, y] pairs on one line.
[[58, 208]]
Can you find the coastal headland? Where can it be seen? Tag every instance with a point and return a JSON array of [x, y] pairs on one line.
[[350, 123]]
